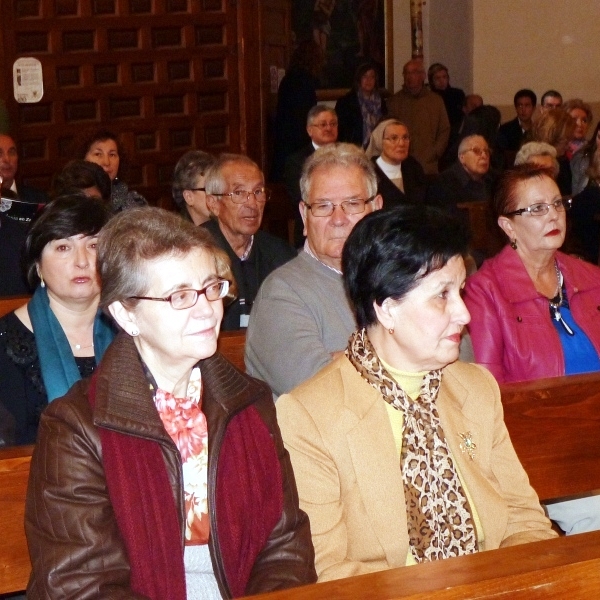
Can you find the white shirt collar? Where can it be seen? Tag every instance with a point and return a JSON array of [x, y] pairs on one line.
[[391, 171], [308, 251]]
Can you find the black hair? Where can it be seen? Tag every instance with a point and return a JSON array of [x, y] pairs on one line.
[[66, 216], [390, 251], [80, 175], [525, 93], [551, 94]]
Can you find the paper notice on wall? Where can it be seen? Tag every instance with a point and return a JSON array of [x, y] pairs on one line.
[[28, 81]]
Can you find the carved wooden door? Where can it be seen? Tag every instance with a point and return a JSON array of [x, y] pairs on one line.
[[162, 73]]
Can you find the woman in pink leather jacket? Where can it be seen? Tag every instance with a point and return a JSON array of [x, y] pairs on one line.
[[535, 312]]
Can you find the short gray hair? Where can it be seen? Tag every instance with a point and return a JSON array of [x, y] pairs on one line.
[[214, 182], [316, 110], [337, 155], [467, 141], [531, 149], [189, 167], [132, 239]]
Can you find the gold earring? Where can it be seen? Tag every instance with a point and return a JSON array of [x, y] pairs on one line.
[[513, 244], [391, 330]]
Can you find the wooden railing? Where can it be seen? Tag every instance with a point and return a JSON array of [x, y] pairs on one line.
[[231, 345], [14, 558], [567, 567]]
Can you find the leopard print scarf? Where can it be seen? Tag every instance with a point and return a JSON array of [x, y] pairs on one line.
[[440, 522]]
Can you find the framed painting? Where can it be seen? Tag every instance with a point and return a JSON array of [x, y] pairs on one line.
[[350, 32]]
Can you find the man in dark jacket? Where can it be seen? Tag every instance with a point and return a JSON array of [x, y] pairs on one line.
[[469, 179], [511, 134], [236, 196], [29, 200], [12, 238], [322, 128]]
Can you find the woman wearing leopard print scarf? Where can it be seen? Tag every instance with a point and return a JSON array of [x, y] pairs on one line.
[[400, 451]]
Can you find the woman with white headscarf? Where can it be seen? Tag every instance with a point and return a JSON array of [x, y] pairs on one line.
[[400, 177]]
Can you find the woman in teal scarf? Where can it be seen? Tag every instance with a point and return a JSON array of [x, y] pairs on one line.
[[59, 336]]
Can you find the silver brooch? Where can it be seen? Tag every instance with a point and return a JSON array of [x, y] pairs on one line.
[[468, 445]]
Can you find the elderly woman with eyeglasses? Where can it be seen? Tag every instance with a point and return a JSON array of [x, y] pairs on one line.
[[534, 310], [164, 476], [400, 177]]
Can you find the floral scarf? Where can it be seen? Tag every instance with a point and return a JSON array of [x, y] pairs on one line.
[[186, 424], [439, 518]]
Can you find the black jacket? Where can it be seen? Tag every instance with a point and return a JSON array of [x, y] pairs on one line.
[[415, 184], [350, 120], [31, 200], [268, 252]]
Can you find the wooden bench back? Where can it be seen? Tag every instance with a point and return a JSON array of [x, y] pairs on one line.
[[14, 557], [231, 345], [10, 303], [554, 425], [486, 236]]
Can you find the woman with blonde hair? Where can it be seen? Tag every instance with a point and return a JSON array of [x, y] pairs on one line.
[[556, 127], [582, 115]]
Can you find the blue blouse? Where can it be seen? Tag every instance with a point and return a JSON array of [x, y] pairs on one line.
[[580, 354]]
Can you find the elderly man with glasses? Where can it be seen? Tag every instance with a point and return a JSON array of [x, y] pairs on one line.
[[301, 316], [469, 179], [236, 196], [322, 128]]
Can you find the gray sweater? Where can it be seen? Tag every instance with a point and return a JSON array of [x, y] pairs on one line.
[[300, 316]]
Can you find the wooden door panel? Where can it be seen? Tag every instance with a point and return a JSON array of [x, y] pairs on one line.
[[161, 73]]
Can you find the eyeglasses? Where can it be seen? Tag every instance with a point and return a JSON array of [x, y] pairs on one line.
[[479, 151], [396, 138], [182, 299], [325, 124], [197, 189], [325, 208], [241, 196], [537, 210]]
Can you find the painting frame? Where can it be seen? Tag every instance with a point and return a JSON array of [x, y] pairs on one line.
[[351, 32]]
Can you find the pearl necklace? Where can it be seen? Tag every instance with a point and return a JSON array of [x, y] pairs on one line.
[[80, 347]]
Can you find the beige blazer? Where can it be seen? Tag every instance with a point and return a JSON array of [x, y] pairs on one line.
[[337, 431]]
